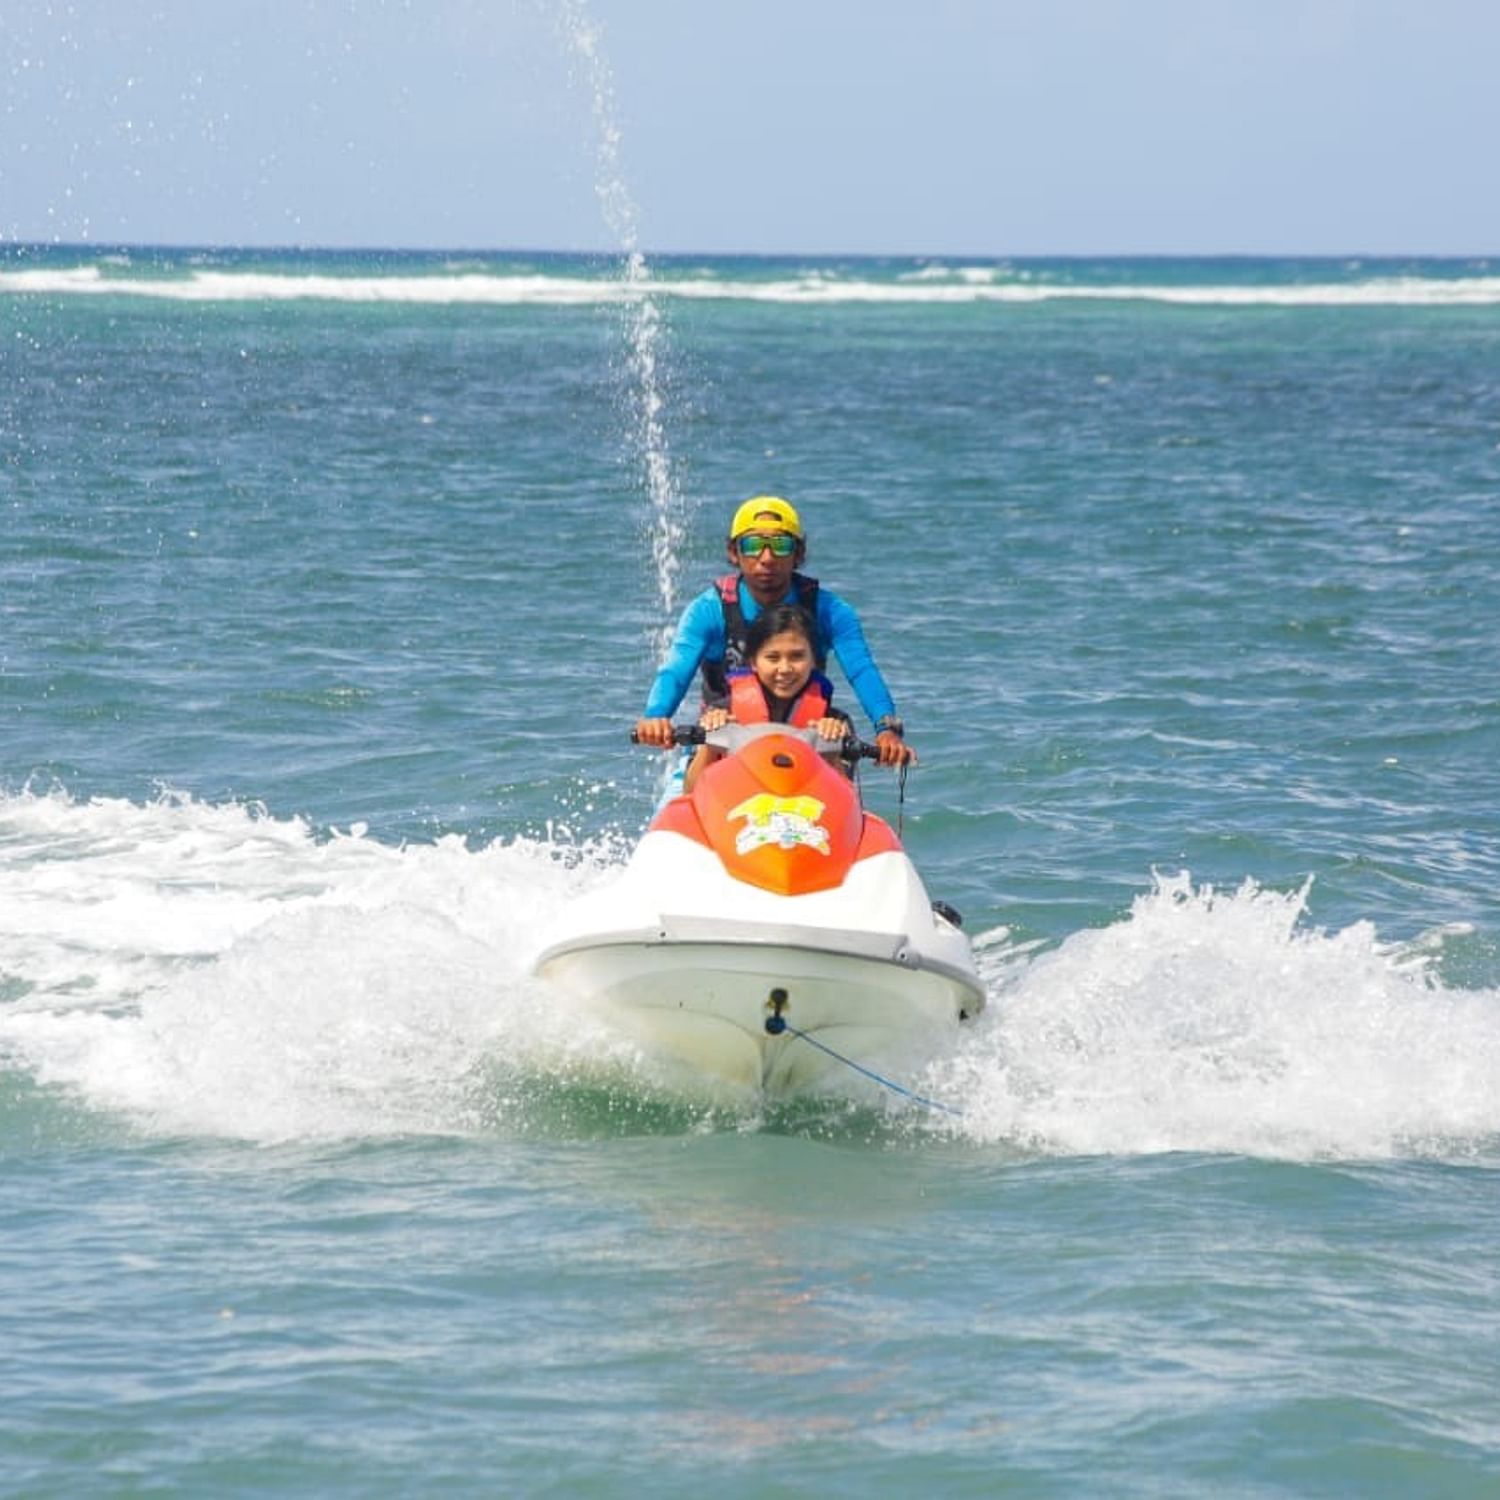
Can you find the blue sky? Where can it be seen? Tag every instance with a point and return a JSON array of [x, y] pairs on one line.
[[946, 126]]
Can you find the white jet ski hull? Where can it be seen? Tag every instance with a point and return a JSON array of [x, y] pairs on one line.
[[868, 969]]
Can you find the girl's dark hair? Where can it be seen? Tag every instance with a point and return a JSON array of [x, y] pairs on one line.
[[776, 620]]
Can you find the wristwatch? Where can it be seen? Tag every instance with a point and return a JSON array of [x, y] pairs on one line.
[[892, 724]]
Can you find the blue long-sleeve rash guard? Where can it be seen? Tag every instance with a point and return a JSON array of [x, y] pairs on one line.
[[700, 638]]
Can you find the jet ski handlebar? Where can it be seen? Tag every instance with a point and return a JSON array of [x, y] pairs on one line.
[[732, 736], [682, 734]]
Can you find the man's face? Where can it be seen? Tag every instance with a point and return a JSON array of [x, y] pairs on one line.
[[767, 576]]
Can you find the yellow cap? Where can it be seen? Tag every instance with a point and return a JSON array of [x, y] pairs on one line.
[[753, 514]]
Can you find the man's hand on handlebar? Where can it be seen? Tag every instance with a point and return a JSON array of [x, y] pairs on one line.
[[894, 751], [656, 732]]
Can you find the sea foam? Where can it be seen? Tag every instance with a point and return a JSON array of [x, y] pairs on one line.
[[1219, 1021], [214, 970]]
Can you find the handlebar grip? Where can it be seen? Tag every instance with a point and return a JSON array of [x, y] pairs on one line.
[[682, 734]]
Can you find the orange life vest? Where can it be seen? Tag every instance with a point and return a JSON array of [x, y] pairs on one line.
[[748, 705]]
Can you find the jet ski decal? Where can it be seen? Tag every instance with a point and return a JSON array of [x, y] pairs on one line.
[[783, 821]]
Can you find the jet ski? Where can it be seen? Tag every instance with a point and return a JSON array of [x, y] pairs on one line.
[[767, 929]]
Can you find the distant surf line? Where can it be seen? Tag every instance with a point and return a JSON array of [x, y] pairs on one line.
[[963, 285]]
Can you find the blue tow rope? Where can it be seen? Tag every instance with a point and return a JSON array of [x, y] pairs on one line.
[[775, 1025]]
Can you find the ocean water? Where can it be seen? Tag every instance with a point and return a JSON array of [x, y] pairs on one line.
[[329, 586]]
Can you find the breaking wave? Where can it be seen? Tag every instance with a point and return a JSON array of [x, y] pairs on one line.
[[929, 285]]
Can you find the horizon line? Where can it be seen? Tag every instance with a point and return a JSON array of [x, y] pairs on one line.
[[8, 242]]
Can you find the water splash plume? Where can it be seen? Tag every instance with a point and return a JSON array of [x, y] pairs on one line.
[[644, 328]]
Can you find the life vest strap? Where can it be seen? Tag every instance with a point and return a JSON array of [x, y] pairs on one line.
[[736, 629]]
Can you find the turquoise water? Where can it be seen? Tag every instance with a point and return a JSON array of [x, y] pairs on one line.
[[330, 585]]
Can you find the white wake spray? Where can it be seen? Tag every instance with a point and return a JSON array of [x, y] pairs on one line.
[[1217, 1021], [214, 971]]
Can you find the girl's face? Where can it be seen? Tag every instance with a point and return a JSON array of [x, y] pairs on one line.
[[784, 664]]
